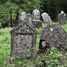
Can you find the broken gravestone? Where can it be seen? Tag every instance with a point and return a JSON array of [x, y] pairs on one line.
[[36, 18], [46, 17], [54, 36], [62, 17], [23, 41]]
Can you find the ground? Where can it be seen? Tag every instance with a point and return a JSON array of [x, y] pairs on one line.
[[52, 58]]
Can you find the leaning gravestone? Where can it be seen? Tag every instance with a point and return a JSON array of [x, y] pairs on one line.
[[22, 17], [36, 18], [54, 36], [46, 18], [23, 41], [62, 17]]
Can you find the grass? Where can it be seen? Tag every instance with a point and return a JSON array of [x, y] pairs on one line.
[[64, 27], [50, 57], [4, 45]]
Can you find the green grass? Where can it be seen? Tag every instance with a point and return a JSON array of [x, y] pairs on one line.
[[51, 57], [64, 27], [4, 45]]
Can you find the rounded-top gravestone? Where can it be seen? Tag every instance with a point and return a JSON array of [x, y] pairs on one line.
[[22, 17], [46, 17], [62, 17], [36, 18], [36, 14]]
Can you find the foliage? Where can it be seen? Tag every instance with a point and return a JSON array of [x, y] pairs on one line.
[[52, 7], [23, 5], [4, 45], [5, 11], [64, 26], [49, 59]]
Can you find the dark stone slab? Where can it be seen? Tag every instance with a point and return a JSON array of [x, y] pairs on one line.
[[37, 23]]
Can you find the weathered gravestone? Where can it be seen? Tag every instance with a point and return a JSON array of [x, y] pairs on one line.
[[62, 17], [29, 17], [23, 41], [36, 18], [22, 17], [46, 17], [36, 14], [54, 36]]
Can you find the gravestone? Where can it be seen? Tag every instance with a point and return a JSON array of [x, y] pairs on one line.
[[22, 17], [46, 17], [23, 41], [0, 25], [54, 36], [36, 18], [62, 17], [29, 17], [36, 14]]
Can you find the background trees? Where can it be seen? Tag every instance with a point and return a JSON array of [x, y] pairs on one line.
[[52, 7]]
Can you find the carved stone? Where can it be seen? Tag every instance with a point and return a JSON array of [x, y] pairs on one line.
[[36, 18], [23, 41], [36, 14], [22, 17]]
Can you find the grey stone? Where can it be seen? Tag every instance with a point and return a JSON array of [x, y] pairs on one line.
[[54, 36], [46, 17], [62, 17], [36, 14], [22, 17], [29, 16], [36, 18], [23, 41]]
